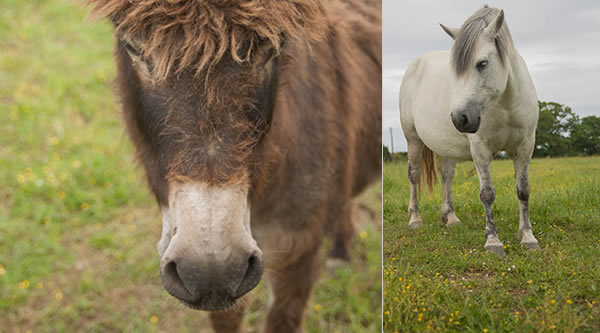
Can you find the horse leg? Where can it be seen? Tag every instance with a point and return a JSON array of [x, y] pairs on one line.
[[487, 194], [525, 234], [448, 169], [290, 288], [415, 150], [229, 321], [342, 237]]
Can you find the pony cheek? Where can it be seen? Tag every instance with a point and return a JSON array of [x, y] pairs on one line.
[[496, 85]]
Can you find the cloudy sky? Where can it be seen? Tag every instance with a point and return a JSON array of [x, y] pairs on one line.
[[559, 40]]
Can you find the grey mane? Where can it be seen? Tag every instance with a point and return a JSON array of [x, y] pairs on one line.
[[464, 45]]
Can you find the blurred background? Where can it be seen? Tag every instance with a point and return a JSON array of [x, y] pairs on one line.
[[78, 227]]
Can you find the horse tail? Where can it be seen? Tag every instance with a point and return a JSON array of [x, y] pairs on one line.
[[428, 169]]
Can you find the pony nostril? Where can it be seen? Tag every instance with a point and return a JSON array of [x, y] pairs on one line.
[[172, 274], [252, 275], [464, 120]]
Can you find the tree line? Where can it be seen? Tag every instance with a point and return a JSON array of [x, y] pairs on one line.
[[560, 132]]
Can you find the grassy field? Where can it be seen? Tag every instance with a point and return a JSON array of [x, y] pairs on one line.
[[442, 280], [78, 228]]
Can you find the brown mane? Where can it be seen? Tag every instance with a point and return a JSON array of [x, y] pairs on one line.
[[179, 34]]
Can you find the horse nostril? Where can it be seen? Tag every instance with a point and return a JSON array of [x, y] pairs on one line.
[[172, 274], [252, 275], [464, 120]]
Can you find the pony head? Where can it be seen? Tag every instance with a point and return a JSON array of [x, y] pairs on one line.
[[198, 81], [480, 66]]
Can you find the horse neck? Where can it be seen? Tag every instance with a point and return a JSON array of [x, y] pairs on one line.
[[519, 86]]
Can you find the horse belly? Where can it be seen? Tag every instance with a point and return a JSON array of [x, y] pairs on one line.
[[456, 148], [438, 134], [426, 98]]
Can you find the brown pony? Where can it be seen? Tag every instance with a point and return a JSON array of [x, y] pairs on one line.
[[257, 122]]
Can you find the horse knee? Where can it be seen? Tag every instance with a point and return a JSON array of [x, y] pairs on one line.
[[487, 195], [413, 173]]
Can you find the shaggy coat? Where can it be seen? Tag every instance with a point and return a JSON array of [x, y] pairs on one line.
[[280, 96]]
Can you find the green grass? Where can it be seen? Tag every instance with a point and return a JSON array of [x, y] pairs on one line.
[[78, 227], [442, 279]]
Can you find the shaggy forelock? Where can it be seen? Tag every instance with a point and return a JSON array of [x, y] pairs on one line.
[[197, 34], [464, 45]]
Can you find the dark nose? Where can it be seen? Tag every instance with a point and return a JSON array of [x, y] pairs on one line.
[[466, 121], [207, 284]]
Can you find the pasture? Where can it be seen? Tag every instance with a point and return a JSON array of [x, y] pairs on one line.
[[78, 226], [438, 279]]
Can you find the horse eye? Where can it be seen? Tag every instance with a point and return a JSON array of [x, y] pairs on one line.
[[481, 65], [134, 52], [132, 49]]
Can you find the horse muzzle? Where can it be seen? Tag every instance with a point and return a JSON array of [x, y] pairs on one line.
[[208, 257], [203, 283], [467, 121]]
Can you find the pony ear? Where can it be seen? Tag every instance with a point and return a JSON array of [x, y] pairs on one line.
[[452, 32], [494, 27]]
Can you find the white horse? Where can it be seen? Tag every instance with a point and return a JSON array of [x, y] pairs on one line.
[[469, 103]]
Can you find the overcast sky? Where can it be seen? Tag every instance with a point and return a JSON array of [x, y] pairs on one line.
[[559, 40]]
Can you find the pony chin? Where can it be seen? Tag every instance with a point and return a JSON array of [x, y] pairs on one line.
[[221, 306]]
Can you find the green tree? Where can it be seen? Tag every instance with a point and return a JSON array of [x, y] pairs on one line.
[[585, 136], [552, 136]]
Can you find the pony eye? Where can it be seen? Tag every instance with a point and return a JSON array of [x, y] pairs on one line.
[[136, 53], [132, 49], [481, 65]]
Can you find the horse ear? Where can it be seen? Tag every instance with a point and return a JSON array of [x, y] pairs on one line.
[[452, 32], [494, 27]]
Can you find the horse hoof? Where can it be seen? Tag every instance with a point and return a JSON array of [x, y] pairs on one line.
[[495, 246], [450, 219], [498, 250], [415, 224], [531, 246], [452, 223]]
